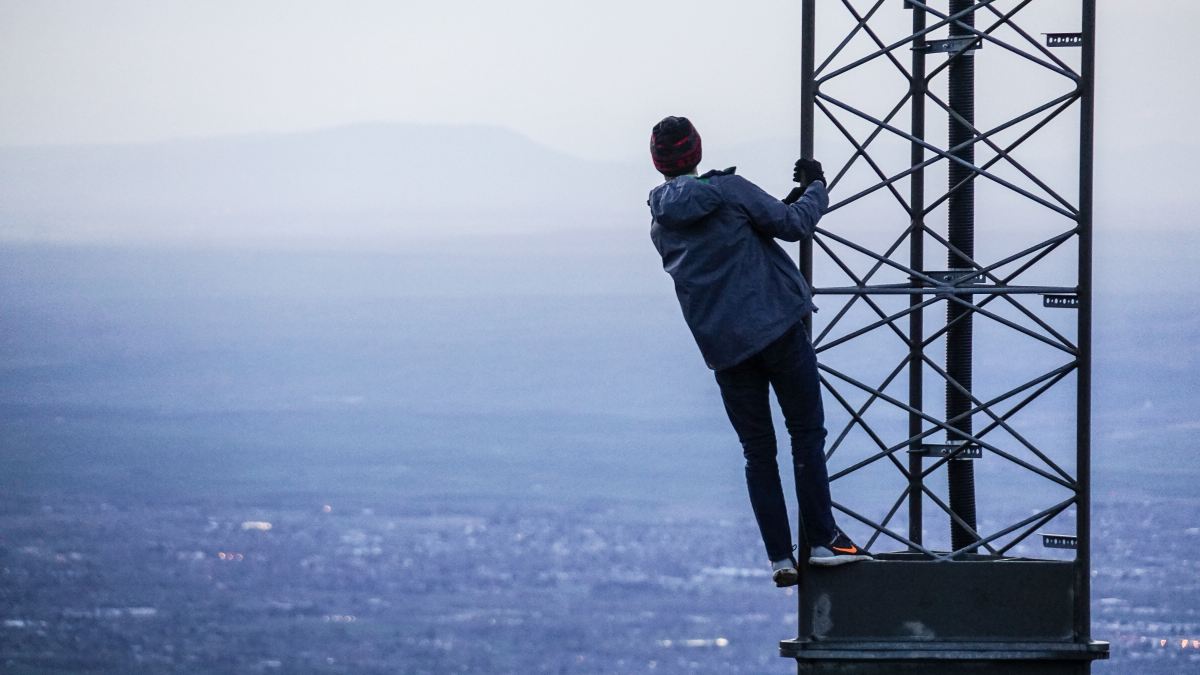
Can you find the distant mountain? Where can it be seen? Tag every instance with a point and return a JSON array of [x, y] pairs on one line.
[[379, 183], [368, 180]]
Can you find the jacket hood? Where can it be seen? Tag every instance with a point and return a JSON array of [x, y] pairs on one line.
[[682, 201]]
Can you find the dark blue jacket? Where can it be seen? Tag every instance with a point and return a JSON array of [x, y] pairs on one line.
[[737, 287]]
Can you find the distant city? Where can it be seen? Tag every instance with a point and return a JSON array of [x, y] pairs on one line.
[[437, 588], [292, 462]]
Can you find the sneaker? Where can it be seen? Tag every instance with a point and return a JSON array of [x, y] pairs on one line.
[[837, 552], [784, 573]]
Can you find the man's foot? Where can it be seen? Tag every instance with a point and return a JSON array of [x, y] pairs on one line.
[[784, 573], [837, 552]]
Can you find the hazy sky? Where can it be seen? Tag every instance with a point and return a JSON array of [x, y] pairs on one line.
[[587, 78]]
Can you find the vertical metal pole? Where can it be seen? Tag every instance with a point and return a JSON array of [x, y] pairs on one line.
[[808, 47], [1083, 465], [808, 34], [916, 260], [961, 221]]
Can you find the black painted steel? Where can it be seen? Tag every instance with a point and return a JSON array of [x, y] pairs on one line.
[[961, 221], [807, 87], [1007, 615], [1083, 414], [970, 608], [996, 599], [949, 659], [916, 260]]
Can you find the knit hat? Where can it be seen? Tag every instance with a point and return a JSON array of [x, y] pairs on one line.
[[675, 146]]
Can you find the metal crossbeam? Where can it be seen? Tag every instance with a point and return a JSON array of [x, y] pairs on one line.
[[897, 45], [947, 425], [986, 35], [949, 154]]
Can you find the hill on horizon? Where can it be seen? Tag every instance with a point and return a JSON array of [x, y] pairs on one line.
[[379, 184], [364, 181]]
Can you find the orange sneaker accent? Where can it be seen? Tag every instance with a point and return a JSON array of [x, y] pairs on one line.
[[852, 549]]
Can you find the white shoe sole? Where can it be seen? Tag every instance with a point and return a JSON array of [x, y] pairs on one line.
[[786, 578], [837, 560]]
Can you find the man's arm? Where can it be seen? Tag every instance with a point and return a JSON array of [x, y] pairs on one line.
[[769, 215]]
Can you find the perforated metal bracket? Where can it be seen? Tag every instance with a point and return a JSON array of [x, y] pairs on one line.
[[1068, 541], [1062, 301], [1064, 39], [947, 449]]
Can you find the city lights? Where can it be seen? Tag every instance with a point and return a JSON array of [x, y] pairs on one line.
[[695, 642], [1184, 643]]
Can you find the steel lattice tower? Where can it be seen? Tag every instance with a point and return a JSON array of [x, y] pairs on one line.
[[1011, 361]]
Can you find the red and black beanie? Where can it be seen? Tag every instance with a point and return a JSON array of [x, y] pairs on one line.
[[675, 146]]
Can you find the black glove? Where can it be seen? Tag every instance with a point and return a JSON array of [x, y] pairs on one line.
[[795, 195], [807, 171]]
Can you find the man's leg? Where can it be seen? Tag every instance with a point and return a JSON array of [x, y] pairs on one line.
[[792, 365], [745, 389]]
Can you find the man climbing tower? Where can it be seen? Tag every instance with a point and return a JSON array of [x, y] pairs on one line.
[[744, 300]]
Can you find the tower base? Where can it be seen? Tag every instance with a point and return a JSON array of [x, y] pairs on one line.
[[945, 658], [903, 613]]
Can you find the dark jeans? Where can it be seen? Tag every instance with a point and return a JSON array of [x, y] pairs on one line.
[[788, 365]]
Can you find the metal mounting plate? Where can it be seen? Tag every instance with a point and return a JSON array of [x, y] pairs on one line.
[[1068, 541], [956, 277], [1064, 39], [952, 45], [945, 450], [1063, 301]]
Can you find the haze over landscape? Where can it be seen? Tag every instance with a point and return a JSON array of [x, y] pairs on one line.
[[306, 369]]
